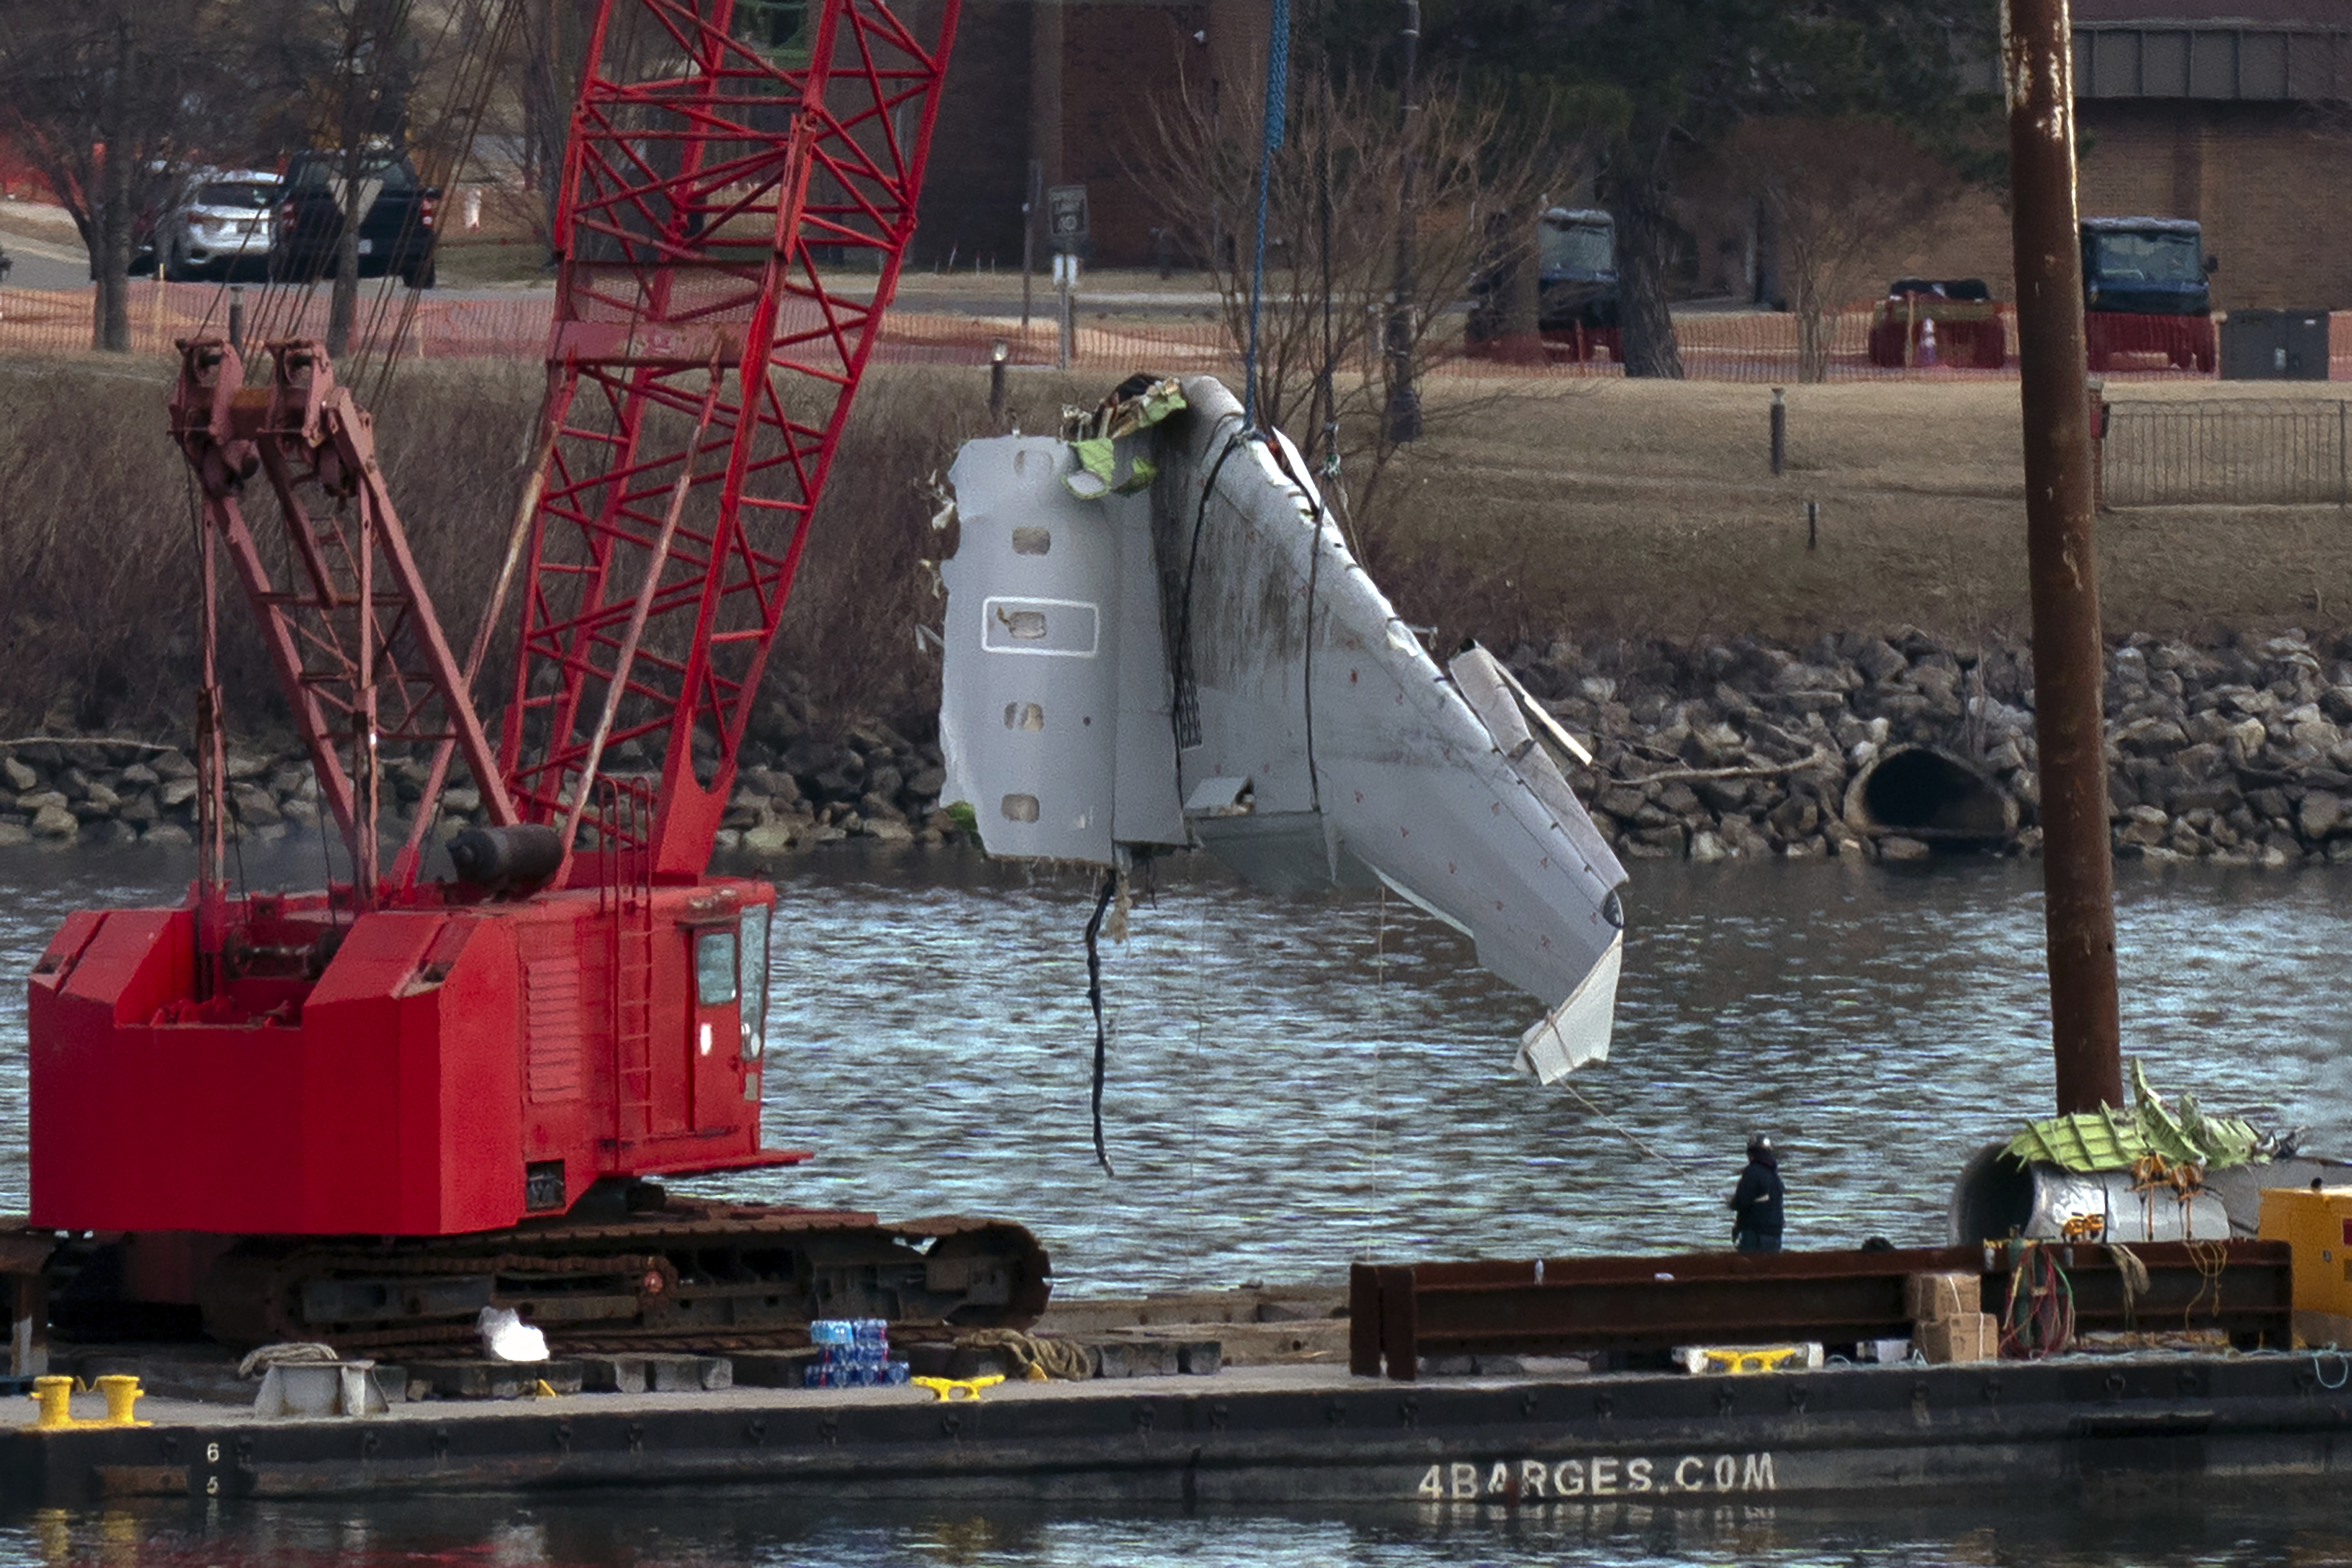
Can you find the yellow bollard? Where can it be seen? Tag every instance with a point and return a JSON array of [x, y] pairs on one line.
[[954, 1388], [121, 1391], [55, 1397]]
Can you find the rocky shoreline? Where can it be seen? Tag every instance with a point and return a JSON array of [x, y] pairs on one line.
[[794, 791], [1873, 747]]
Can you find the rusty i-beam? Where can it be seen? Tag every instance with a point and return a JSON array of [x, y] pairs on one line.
[[2069, 662]]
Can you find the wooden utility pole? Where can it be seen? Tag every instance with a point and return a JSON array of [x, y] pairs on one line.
[[2069, 659]]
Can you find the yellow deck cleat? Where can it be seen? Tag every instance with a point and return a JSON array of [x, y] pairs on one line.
[[954, 1388]]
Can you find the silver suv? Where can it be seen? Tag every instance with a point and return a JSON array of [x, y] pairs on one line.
[[222, 227]]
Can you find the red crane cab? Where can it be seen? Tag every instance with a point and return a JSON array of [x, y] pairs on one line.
[[452, 1063]]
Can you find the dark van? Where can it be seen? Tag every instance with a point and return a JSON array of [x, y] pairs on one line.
[[396, 233]]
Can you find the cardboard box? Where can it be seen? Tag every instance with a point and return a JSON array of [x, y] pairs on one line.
[[1969, 1336], [1930, 1297]]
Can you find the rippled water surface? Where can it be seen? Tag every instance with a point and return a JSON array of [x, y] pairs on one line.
[[689, 1529], [1294, 1082]]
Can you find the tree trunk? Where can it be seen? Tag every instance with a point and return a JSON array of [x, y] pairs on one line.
[[343, 296], [109, 321], [1522, 294], [1645, 237], [1815, 330]]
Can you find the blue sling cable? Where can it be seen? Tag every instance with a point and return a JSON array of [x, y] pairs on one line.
[[1277, 75]]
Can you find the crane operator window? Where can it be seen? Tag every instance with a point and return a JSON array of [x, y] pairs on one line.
[[755, 983], [714, 967]]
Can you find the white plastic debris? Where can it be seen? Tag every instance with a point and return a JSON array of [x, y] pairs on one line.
[[507, 1338]]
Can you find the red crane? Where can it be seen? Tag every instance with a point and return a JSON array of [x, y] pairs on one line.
[[325, 1114]]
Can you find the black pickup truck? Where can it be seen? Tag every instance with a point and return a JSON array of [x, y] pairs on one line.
[[396, 234]]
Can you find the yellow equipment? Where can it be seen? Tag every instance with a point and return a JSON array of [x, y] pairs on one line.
[[55, 1398], [1746, 1360], [2316, 1223]]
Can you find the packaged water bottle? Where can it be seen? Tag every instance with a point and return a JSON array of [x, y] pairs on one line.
[[894, 1373]]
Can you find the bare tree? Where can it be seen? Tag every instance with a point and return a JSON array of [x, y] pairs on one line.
[[551, 49], [361, 114], [113, 100], [1332, 228], [1841, 193]]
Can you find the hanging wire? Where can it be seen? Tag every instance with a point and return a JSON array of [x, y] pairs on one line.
[[383, 322], [1625, 1131], [1094, 999], [1195, 1098], [1379, 1034], [1277, 76]]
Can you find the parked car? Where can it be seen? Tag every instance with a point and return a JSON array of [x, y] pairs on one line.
[[396, 234], [220, 227]]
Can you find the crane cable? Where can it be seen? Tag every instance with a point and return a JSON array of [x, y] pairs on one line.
[[1277, 76], [456, 127]]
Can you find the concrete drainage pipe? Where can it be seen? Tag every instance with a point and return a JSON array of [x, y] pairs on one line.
[[1918, 792]]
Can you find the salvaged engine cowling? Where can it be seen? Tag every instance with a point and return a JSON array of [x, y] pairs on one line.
[[1998, 1195]]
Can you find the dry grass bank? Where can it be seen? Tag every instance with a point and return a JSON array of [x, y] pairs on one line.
[[100, 611], [1616, 509], [1607, 511]]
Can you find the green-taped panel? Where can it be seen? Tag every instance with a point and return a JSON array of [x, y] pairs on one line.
[[2107, 1140]]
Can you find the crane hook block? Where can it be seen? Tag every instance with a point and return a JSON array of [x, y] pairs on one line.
[[507, 860]]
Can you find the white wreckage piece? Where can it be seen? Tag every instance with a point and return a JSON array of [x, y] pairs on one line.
[[1201, 660]]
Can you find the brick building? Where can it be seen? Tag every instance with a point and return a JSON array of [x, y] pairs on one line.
[[2244, 124], [2237, 113], [1066, 84]]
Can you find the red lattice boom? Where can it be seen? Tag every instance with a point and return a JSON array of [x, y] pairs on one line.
[[731, 231]]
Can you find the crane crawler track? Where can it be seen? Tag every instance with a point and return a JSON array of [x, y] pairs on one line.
[[689, 1273]]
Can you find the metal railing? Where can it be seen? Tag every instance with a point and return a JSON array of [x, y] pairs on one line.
[[2242, 453]]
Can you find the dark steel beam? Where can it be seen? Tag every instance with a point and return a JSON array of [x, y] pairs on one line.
[[2069, 659], [1649, 1304]]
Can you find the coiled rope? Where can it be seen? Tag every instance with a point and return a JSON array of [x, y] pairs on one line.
[[1039, 1359]]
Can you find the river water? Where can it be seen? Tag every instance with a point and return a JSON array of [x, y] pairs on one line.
[[1294, 1083]]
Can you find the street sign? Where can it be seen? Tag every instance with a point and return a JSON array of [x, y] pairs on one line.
[[1065, 217]]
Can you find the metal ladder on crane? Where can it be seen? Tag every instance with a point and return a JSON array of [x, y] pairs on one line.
[[624, 906]]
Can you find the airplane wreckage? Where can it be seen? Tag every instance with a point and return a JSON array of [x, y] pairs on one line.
[[1157, 636]]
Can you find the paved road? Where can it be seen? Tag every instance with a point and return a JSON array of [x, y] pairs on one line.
[[56, 261], [45, 264]]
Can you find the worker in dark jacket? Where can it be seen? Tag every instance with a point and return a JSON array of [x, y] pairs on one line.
[[1757, 1202]]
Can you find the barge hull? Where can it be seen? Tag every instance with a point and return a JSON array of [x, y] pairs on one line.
[[2056, 1430]]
